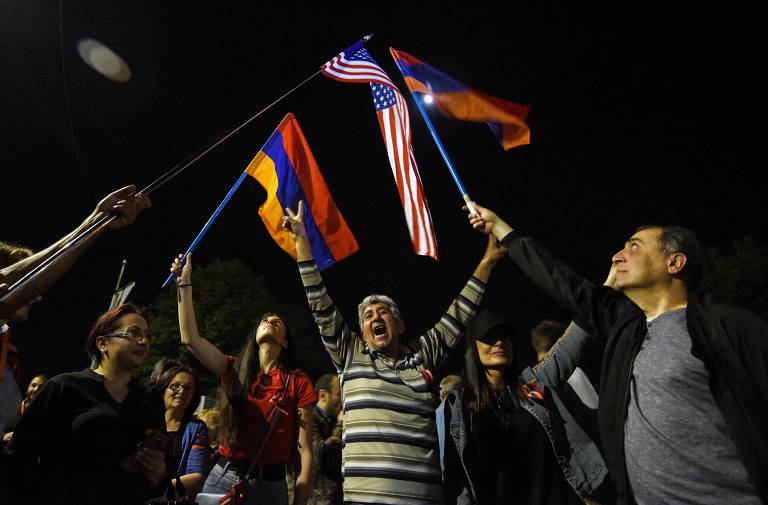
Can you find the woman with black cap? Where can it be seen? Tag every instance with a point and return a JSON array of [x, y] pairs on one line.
[[509, 437]]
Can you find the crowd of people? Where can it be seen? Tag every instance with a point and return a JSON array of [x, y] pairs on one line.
[[679, 418]]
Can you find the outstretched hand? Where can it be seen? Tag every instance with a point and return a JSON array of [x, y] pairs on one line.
[[487, 221], [125, 204], [294, 221], [183, 272]]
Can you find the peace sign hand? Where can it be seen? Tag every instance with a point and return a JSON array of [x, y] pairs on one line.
[[294, 221]]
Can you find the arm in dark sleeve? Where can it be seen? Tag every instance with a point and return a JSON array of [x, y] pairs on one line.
[[594, 307], [327, 451], [36, 440]]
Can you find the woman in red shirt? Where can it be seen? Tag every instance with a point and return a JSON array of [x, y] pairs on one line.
[[253, 391]]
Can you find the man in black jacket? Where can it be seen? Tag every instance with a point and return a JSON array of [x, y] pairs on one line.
[[684, 383]]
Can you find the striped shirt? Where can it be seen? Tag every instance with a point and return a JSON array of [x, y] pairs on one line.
[[389, 441]]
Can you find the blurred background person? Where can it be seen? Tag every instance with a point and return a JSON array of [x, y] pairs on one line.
[[326, 442], [34, 387], [449, 383], [543, 337], [211, 419]]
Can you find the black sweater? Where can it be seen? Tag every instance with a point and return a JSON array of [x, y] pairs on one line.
[[732, 343], [69, 445]]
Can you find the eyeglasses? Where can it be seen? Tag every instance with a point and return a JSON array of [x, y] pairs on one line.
[[177, 386], [132, 334]]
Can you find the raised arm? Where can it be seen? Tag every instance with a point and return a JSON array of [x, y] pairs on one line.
[[594, 307], [336, 335], [208, 354], [327, 451], [435, 345], [123, 203]]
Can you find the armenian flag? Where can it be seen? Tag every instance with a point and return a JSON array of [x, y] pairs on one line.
[[506, 119], [287, 170]]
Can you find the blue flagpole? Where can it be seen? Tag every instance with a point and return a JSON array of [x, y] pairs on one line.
[[208, 224], [440, 148]]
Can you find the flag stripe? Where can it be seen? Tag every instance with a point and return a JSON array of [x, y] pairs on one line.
[[287, 170], [354, 64], [506, 119], [342, 69]]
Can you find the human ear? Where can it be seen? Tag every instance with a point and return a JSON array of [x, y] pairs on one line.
[[101, 344], [676, 263]]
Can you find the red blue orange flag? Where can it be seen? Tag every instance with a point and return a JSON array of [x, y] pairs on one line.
[[287, 170], [506, 119]]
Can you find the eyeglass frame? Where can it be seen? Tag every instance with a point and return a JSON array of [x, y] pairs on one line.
[[131, 336], [179, 386]]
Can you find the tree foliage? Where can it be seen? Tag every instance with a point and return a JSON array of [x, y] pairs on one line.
[[229, 301]]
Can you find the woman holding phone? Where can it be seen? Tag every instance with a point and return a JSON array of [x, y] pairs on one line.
[[92, 437]]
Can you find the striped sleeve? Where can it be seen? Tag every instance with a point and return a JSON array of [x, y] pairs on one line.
[[435, 345], [336, 335]]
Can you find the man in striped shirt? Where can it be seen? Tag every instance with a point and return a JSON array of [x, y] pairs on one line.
[[390, 450]]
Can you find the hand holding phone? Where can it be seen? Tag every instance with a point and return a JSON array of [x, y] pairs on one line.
[[155, 439]]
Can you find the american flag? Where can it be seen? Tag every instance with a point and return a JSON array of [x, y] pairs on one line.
[[354, 64]]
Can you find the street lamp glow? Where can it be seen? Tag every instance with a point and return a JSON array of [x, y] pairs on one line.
[[428, 99]]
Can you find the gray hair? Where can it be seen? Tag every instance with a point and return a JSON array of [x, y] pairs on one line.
[[372, 299]]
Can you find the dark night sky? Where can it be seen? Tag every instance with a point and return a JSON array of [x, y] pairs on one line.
[[636, 117]]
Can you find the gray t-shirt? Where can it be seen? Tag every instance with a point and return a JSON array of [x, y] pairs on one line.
[[678, 448]]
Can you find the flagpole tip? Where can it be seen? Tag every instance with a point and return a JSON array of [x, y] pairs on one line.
[[367, 37]]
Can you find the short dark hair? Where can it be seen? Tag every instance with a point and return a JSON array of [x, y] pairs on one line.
[[545, 334], [324, 382], [677, 239], [107, 323]]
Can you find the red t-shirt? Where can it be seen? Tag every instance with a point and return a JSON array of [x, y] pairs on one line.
[[263, 395]]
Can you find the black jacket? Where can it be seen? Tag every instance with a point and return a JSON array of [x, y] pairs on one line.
[[732, 343]]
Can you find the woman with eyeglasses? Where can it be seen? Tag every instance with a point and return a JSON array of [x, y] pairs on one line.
[[189, 453], [84, 438], [258, 386]]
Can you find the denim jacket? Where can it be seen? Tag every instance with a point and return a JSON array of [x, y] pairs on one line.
[[578, 456]]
